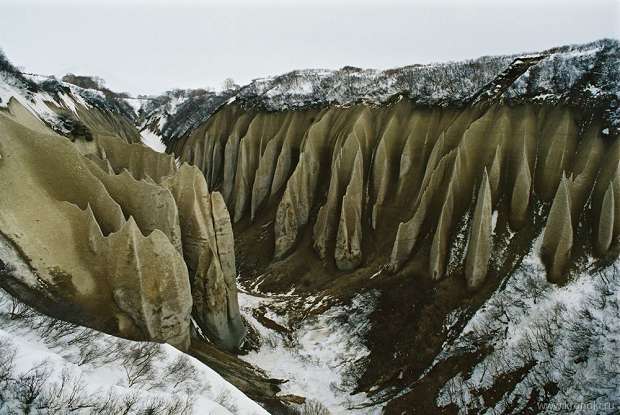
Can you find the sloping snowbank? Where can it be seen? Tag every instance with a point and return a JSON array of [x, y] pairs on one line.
[[588, 71], [50, 366], [45, 99], [560, 344], [152, 140]]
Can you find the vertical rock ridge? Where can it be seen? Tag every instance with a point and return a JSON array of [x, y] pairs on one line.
[[348, 251], [558, 236], [520, 199], [555, 152], [409, 232], [479, 246], [606, 220]]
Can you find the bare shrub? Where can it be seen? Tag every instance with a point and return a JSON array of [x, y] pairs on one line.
[[28, 386], [225, 399], [89, 350], [7, 366], [67, 395], [53, 331], [158, 406], [312, 407], [115, 404], [138, 363], [20, 311], [180, 373]]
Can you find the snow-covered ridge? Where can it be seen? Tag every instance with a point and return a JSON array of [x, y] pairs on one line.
[[556, 72], [46, 100], [583, 75], [177, 112], [48, 366]]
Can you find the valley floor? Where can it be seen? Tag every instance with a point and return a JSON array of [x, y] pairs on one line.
[[321, 355]]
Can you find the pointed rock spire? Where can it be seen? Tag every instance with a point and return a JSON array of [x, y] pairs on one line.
[[521, 193], [479, 246], [606, 220], [558, 237]]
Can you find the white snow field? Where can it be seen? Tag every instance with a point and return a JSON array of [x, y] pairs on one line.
[[153, 140]]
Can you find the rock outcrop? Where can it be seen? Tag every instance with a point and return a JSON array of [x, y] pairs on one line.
[[208, 248], [400, 175], [558, 238], [479, 247], [117, 231]]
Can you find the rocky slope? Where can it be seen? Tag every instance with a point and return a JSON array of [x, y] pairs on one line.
[[109, 234], [427, 183], [401, 237]]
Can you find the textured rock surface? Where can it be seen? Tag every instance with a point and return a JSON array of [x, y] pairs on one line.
[[479, 247], [558, 237], [117, 231], [403, 176]]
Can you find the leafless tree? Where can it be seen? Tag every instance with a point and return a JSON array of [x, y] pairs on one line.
[[225, 399], [138, 363], [28, 386], [312, 407], [229, 84], [180, 372]]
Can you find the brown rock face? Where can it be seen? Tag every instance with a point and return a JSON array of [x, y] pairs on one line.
[[558, 238], [208, 247], [396, 179], [119, 233], [479, 247]]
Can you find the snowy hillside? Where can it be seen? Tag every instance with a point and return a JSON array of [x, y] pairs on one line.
[[48, 366], [587, 75], [177, 112], [39, 101], [46, 100], [559, 344]]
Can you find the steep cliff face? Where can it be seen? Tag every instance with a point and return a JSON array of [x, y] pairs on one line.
[[111, 234], [346, 181], [413, 200], [405, 176]]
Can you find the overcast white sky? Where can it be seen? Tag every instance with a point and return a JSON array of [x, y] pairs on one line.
[[145, 46]]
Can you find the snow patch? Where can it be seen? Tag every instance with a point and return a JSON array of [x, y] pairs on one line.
[[152, 140], [322, 357]]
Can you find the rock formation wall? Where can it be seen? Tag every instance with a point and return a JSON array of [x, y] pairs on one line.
[[118, 231], [404, 176]]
